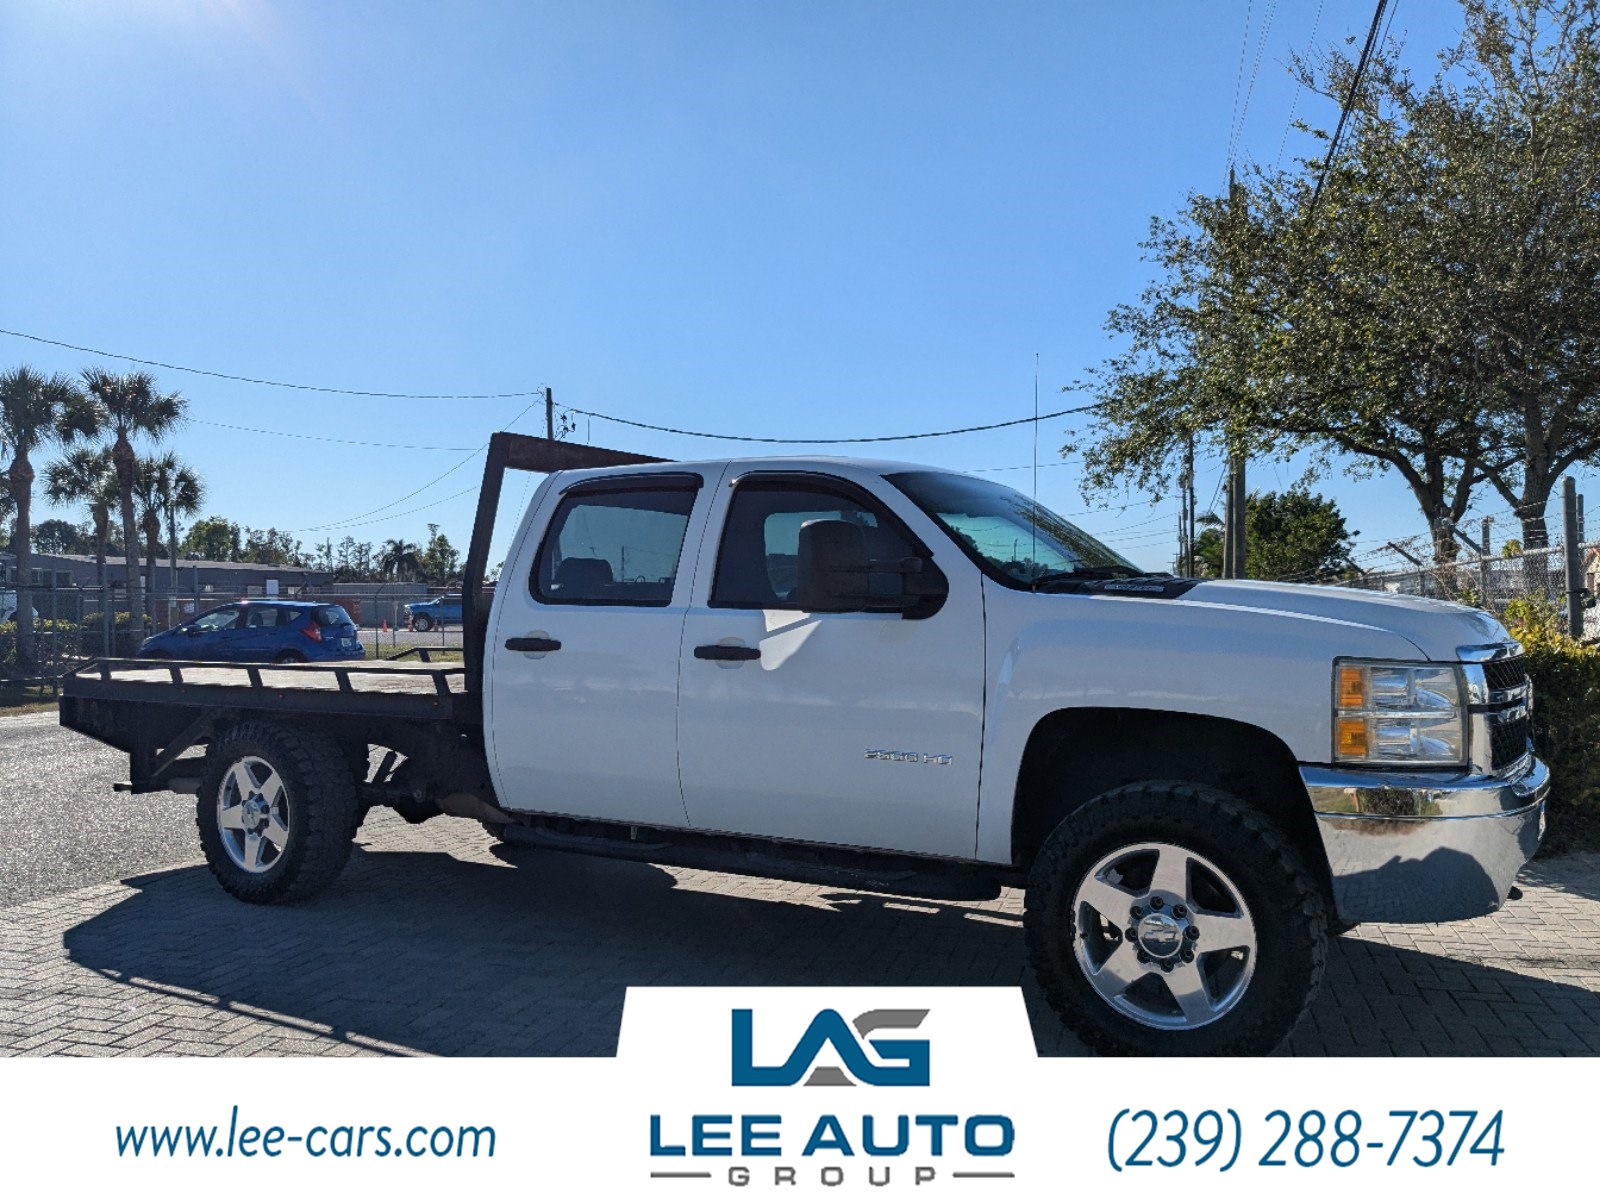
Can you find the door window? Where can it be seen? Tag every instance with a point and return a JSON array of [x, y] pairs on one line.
[[614, 546], [758, 562], [263, 617], [217, 620]]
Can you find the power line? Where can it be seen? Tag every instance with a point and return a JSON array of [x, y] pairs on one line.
[[536, 393], [315, 437], [1238, 78], [854, 441], [1316, 23], [1349, 104], [359, 517], [277, 383], [1255, 69]]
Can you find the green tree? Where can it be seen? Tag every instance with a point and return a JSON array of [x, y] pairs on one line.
[[85, 477], [440, 561], [399, 559], [35, 411], [147, 496], [214, 538], [1293, 535], [179, 493], [56, 536], [131, 408], [1432, 313], [271, 547]]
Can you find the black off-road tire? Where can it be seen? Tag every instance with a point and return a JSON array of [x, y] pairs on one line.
[[1288, 907], [324, 811]]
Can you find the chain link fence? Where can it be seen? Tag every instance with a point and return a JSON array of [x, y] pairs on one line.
[[1492, 582], [74, 624]]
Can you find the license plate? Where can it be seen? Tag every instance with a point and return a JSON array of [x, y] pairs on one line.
[[347, 643]]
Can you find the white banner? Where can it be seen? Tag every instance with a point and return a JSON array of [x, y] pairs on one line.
[[795, 1091]]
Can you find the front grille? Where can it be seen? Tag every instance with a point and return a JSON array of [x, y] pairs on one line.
[[1508, 741], [1503, 674]]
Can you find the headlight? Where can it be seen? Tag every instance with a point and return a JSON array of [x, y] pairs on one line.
[[1409, 714]]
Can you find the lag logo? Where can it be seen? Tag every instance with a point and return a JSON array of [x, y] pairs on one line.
[[895, 1061]]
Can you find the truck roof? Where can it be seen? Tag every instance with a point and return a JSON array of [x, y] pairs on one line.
[[783, 462]]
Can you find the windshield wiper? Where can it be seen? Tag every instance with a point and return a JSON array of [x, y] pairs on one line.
[[1109, 571]]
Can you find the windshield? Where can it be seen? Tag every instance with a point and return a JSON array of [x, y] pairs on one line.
[[1012, 538]]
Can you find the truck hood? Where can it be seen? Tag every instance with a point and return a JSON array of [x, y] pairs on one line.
[[1435, 627]]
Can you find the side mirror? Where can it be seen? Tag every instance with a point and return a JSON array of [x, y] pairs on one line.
[[832, 565]]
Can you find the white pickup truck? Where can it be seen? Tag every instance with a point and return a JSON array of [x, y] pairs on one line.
[[905, 680]]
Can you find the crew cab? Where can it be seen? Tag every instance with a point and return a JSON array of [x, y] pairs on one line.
[[906, 680]]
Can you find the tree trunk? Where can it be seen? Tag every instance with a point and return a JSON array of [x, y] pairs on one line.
[[172, 548], [21, 477], [152, 554], [102, 535], [123, 457]]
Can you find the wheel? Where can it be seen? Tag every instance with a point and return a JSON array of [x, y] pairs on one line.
[[1171, 918], [277, 812], [290, 656], [422, 622]]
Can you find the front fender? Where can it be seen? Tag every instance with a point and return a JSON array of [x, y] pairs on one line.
[[1046, 653]]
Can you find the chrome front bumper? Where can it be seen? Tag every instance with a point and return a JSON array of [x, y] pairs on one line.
[[1426, 847]]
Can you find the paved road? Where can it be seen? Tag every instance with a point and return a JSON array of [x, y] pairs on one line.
[[62, 827], [436, 941]]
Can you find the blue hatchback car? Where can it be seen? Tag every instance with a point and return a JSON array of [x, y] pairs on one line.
[[281, 631]]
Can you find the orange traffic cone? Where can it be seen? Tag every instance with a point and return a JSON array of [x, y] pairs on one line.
[[385, 627]]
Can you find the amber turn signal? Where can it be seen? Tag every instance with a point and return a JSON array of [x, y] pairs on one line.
[[1352, 737], [1352, 691]]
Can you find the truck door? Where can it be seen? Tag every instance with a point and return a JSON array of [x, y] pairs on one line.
[[860, 728], [582, 686]]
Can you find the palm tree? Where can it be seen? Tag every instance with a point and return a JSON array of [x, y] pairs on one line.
[[147, 496], [35, 410], [181, 494], [400, 557], [132, 408], [85, 476]]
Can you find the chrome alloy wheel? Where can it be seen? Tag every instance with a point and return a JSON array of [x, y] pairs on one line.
[[253, 815], [1164, 936]]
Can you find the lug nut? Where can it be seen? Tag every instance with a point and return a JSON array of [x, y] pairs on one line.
[[1137, 911], [1156, 902], [1133, 934], [1166, 965], [1192, 933], [1143, 957], [1179, 911]]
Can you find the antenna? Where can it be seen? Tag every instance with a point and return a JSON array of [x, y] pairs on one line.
[[1034, 508]]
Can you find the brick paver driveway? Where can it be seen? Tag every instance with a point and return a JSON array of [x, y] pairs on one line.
[[435, 941]]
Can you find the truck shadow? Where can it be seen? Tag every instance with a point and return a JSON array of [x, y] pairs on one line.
[[530, 952]]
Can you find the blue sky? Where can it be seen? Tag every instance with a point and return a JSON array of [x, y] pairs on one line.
[[821, 219]]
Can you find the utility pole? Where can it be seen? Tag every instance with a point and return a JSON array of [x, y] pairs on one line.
[[1186, 515], [1237, 496], [1233, 540], [549, 416], [1573, 552], [1483, 559]]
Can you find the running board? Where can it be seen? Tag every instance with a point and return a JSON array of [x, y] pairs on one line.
[[858, 871]]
